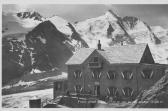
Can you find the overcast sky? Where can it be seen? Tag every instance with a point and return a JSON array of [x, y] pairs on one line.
[[151, 14]]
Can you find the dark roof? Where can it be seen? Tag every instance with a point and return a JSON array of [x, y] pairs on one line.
[[124, 54], [114, 54]]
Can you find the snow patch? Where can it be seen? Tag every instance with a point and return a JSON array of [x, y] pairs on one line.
[[53, 69], [26, 84], [31, 55], [42, 40], [21, 64], [34, 71], [20, 83], [21, 100], [7, 87], [11, 47]]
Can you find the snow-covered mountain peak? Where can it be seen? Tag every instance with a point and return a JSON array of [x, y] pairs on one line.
[[28, 19], [111, 15], [58, 19], [61, 24], [30, 15]]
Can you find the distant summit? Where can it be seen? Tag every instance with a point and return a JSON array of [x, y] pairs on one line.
[[30, 15]]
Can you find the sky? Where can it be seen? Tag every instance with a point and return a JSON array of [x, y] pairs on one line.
[[154, 14]]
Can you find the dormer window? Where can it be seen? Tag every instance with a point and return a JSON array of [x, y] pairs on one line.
[[127, 91], [96, 74], [127, 75], [77, 74], [95, 59], [111, 74], [94, 62], [147, 73]]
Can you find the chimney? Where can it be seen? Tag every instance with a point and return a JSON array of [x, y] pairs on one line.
[[121, 43], [99, 45]]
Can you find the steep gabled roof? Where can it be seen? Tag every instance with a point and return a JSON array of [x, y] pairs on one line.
[[113, 55], [80, 56], [124, 54]]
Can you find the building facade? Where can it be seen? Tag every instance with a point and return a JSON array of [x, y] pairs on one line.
[[119, 72]]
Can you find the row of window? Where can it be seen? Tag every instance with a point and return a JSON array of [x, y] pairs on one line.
[[127, 75], [111, 91]]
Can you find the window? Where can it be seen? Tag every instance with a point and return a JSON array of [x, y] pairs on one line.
[[94, 62], [58, 85], [111, 74], [112, 91], [96, 74], [127, 75], [95, 59], [78, 88], [147, 73], [127, 91], [77, 74]]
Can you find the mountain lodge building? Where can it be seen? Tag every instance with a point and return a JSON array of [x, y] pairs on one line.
[[117, 71]]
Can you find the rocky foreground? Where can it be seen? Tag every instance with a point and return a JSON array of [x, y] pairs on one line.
[[155, 97]]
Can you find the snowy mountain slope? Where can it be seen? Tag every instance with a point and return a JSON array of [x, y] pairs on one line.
[[112, 30], [50, 42], [46, 47], [161, 33], [95, 29], [139, 30], [20, 22], [160, 53]]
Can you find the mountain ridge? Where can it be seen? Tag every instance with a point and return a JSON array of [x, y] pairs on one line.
[[52, 41]]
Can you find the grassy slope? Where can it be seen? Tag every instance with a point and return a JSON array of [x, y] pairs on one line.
[[43, 81]]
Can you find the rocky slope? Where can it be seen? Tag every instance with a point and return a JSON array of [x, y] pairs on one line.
[[155, 97], [45, 48]]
